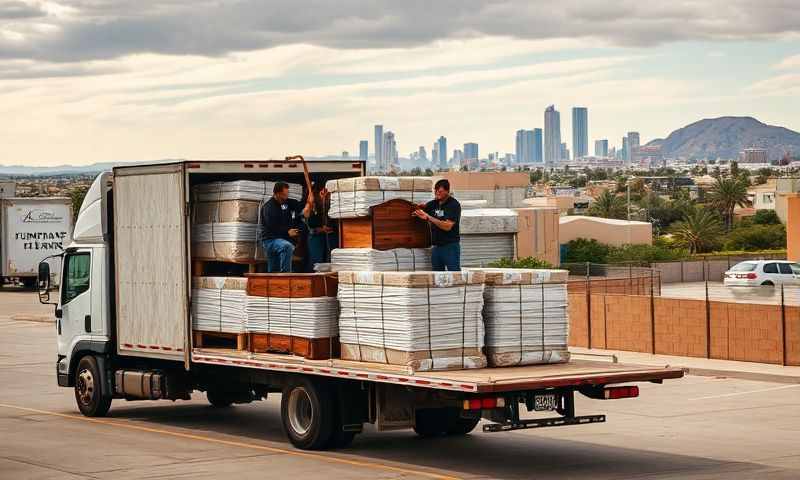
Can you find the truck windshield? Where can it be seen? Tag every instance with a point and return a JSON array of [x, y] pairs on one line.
[[77, 267]]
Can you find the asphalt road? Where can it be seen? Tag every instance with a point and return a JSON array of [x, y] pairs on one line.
[[718, 292], [696, 427]]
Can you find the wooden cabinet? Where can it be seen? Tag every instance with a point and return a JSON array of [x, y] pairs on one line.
[[390, 225], [291, 285]]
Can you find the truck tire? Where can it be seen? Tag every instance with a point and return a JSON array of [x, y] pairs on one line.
[[218, 398], [88, 389], [431, 422], [308, 413], [457, 425]]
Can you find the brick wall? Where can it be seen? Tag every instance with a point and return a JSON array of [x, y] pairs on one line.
[[738, 331]]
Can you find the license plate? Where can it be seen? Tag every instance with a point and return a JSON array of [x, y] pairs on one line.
[[545, 401]]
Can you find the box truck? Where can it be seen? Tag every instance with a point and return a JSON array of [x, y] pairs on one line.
[[125, 332], [31, 229]]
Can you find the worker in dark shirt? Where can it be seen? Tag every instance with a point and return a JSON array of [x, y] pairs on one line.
[[443, 213], [280, 222], [321, 238]]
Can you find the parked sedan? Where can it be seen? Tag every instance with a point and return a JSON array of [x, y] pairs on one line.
[[763, 272]]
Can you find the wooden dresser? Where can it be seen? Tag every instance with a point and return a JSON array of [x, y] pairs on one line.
[[390, 225]]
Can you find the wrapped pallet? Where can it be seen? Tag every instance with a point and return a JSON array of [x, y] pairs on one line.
[[218, 304], [370, 259], [353, 197], [293, 313], [421, 320], [225, 219], [487, 235], [525, 314]]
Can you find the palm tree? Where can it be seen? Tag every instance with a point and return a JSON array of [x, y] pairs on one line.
[[608, 205], [698, 231], [726, 194]]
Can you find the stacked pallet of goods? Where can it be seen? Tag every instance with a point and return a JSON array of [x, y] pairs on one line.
[[487, 234], [420, 320], [225, 219], [353, 197], [218, 311], [293, 313], [525, 314]]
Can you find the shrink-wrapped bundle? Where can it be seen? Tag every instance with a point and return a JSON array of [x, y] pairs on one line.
[[370, 259], [525, 314], [312, 317], [218, 304], [420, 320], [353, 197]]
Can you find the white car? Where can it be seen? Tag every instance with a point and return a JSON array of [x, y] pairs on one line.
[[763, 272]]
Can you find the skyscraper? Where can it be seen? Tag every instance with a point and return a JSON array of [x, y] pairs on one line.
[[471, 152], [580, 132], [552, 135], [633, 147], [564, 153], [458, 157], [537, 146], [625, 150], [435, 156], [520, 146], [389, 153], [363, 150], [422, 155], [379, 166], [601, 148], [441, 145]]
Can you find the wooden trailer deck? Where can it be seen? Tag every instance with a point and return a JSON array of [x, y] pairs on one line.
[[483, 380]]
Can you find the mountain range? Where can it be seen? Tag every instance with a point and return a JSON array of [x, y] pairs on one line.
[[725, 137]]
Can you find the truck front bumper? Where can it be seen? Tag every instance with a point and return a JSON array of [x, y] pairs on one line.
[[62, 372]]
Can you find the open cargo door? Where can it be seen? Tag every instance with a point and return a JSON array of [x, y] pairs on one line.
[[151, 261]]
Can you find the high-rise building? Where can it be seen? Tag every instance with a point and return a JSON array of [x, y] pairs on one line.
[[363, 150], [564, 153], [519, 151], [389, 153], [379, 166], [753, 155], [471, 152], [552, 135], [624, 151], [345, 155], [601, 148], [633, 147], [442, 148], [458, 157], [537, 146], [435, 156], [422, 155], [580, 132]]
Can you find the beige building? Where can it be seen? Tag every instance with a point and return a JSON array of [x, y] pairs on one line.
[[538, 234], [604, 230]]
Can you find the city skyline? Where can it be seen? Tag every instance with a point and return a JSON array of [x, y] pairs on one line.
[[266, 85]]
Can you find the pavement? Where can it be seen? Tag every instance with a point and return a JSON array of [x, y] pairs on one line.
[[692, 428], [719, 292]]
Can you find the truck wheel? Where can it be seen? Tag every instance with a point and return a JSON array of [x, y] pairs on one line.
[[308, 413], [88, 391], [218, 398], [430, 422], [458, 425]]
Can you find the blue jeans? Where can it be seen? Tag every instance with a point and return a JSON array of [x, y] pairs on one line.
[[446, 257], [279, 255]]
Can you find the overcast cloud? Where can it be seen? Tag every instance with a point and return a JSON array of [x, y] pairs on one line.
[[97, 29]]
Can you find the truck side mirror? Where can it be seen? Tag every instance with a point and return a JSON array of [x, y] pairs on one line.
[[44, 282]]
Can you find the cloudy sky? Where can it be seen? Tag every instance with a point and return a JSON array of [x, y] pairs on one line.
[[83, 81]]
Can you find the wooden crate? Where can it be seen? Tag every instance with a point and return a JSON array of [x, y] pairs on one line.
[[292, 285], [312, 349], [235, 341], [390, 225]]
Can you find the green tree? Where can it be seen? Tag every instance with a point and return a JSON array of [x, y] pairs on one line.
[[766, 217], [726, 194], [582, 250], [699, 231], [77, 195], [608, 205]]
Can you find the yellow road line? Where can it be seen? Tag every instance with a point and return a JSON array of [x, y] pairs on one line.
[[315, 456]]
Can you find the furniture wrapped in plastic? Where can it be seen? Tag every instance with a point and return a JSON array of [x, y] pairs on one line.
[[225, 219], [219, 304], [353, 197], [369, 259], [420, 320], [525, 315]]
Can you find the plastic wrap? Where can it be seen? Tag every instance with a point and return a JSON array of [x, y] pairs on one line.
[[218, 304], [353, 197], [369, 259]]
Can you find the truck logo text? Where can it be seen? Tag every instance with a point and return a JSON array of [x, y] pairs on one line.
[[41, 216]]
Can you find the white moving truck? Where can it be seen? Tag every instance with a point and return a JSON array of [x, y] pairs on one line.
[[31, 229], [124, 331]]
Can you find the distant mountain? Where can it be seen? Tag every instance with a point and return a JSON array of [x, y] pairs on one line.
[[725, 137], [68, 169]]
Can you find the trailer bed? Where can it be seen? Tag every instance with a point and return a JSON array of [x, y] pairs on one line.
[[483, 380]]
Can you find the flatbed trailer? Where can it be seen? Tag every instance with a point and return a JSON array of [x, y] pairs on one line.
[[125, 331]]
